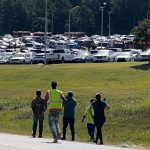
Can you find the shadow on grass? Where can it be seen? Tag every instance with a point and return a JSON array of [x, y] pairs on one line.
[[144, 67]]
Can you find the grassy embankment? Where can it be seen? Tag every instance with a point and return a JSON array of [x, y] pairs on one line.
[[125, 85]]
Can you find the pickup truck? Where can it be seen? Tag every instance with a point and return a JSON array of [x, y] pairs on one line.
[[59, 55]]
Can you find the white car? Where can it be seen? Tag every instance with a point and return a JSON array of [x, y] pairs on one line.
[[39, 58], [60, 55], [22, 58], [5, 59], [102, 56], [143, 56], [124, 57], [113, 56]]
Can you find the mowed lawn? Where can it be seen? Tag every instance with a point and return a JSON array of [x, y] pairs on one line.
[[126, 86]]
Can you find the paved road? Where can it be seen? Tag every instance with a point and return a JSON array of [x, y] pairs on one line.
[[17, 142]]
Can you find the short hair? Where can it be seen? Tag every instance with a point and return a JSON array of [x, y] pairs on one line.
[[38, 93], [53, 83], [70, 94], [98, 96]]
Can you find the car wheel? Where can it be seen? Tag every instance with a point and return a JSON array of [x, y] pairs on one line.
[[62, 60]]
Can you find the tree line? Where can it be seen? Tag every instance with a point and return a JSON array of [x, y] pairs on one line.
[[29, 15]]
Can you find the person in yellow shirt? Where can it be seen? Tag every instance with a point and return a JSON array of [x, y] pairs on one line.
[[88, 115], [54, 98]]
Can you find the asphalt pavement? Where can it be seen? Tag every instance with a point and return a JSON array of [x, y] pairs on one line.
[[18, 142]]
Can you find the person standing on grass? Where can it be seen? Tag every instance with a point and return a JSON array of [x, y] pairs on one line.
[[69, 105], [54, 98], [38, 106], [88, 115], [99, 107]]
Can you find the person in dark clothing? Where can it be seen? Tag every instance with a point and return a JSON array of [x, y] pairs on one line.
[[38, 106], [69, 105], [99, 116]]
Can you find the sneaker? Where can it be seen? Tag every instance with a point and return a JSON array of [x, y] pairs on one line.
[[33, 135], [92, 139], [59, 136], [40, 136], [95, 141], [55, 141], [101, 143], [63, 138]]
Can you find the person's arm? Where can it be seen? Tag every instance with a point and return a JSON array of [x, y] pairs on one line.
[[107, 106], [83, 118], [33, 105], [45, 105], [46, 97], [85, 114], [62, 96]]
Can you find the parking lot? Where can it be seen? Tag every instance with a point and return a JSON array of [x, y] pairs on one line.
[[31, 49]]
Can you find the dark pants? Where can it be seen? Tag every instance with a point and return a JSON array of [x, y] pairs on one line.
[[71, 121], [91, 128], [99, 122], [37, 119]]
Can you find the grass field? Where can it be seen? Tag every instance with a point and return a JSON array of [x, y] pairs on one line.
[[124, 85]]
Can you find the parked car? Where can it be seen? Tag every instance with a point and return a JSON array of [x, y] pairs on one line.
[[22, 58], [18, 58], [102, 56], [143, 56], [60, 55], [116, 49], [5, 59], [82, 57], [113, 56], [39, 58], [94, 51], [124, 57]]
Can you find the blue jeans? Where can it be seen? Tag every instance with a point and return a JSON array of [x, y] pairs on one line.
[[53, 118]]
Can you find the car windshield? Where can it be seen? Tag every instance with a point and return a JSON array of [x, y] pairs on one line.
[[20, 55], [125, 53], [40, 55], [103, 52]]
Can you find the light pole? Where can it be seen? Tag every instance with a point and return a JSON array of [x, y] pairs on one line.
[[69, 17], [52, 25], [45, 28], [148, 14], [109, 13], [102, 9]]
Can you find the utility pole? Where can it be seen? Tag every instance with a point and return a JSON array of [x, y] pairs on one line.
[[109, 13], [45, 28], [102, 9]]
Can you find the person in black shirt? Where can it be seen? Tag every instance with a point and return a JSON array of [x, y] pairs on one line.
[[38, 106], [99, 116]]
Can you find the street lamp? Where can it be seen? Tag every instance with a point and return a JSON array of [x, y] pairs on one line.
[[109, 13], [148, 14], [52, 24], [69, 17], [45, 28], [102, 9]]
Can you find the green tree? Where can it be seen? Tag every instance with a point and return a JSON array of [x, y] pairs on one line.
[[142, 33]]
